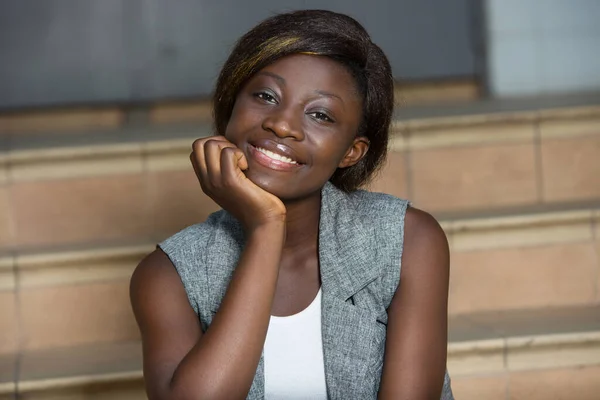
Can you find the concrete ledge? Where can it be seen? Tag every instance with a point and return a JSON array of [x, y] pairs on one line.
[[7, 272], [100, 366], [73, 119], [526, 353], [166, 148], [117, 366], [78, 266], [67, 266], [69, 382], [71, 162], [528, 229]]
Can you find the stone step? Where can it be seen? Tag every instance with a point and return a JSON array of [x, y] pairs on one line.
[[538, 354], [551, 353], [137, 183], [79, 119], [451, 160], [526, 260], [103, 371], [498, 263]]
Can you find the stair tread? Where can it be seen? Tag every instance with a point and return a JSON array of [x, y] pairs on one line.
[[514, 214], [519, 323], [90, 363], [157, 132], [81, 361], [123, 135], [7, 372], [519, 210], [494, 106]]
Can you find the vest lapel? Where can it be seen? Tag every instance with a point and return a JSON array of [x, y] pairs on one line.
[[346, 263], [346, 255]]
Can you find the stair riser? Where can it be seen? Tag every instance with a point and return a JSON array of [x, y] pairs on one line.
[[67, 315], [103, 208], [575, 381], [556, 384], [514, 278], [108, 391], [148, 190], [449, 177], [504, 263]]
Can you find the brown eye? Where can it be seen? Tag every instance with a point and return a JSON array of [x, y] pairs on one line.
[[265, 96], [321, 116]]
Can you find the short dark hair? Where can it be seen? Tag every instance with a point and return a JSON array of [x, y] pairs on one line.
[[323, 33]]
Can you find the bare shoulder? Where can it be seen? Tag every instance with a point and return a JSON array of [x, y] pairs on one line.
[[155, 270], [422, 228], [416, 342], [168, 325], [425, 242], [157, 292]]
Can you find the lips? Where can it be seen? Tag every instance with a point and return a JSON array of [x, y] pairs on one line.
[[276, 156], [273, 155]]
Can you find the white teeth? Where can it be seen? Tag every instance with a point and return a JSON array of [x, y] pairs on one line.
[[276, 156]]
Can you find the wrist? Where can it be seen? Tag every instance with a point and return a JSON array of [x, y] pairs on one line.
[[274, 228]]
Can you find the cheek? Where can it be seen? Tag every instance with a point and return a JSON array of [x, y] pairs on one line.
[[332, 152], [241, 120]]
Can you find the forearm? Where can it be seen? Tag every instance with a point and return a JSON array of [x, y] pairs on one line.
[[223, 362]]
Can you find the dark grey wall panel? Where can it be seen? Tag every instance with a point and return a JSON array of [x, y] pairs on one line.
[[423, 39], [62, 51], [73, 51]]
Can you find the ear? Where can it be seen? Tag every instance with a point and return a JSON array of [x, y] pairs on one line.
[[356, 152]]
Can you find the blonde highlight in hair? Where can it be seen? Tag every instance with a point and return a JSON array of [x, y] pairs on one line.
[[247, 67]]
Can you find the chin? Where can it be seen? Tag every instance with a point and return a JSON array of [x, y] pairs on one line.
[[284, 189]]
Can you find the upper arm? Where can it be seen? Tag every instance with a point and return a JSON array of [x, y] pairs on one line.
[[416, 344], [169, 326]]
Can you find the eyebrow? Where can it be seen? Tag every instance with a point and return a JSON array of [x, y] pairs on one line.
[[274, 76], [329, 94]]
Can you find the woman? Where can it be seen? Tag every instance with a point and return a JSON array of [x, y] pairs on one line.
[[302, 286]]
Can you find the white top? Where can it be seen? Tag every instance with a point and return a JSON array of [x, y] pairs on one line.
[[293, 356]]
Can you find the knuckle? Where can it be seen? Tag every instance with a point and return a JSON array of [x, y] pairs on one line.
[[197, 144]]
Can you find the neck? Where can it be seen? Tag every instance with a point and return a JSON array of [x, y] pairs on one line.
[[302, 226]]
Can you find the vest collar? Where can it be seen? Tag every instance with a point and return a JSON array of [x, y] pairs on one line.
[[344, 245], [346, 254]]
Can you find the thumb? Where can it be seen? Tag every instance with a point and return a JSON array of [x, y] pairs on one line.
[[242, 162]]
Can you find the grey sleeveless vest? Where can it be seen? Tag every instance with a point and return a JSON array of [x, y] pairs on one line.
[[361, 238]]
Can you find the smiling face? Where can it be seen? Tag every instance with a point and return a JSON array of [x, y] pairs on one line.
[[296, 121]]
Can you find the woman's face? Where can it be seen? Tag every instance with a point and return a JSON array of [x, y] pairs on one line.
[[296, 121]]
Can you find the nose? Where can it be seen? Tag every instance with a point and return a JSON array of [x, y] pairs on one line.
[[285, 123]]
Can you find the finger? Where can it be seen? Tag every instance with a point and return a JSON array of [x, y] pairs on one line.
[[230, 164], [198, 151], [212, 152], [194, 162], [198, 160], [242, 161]]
